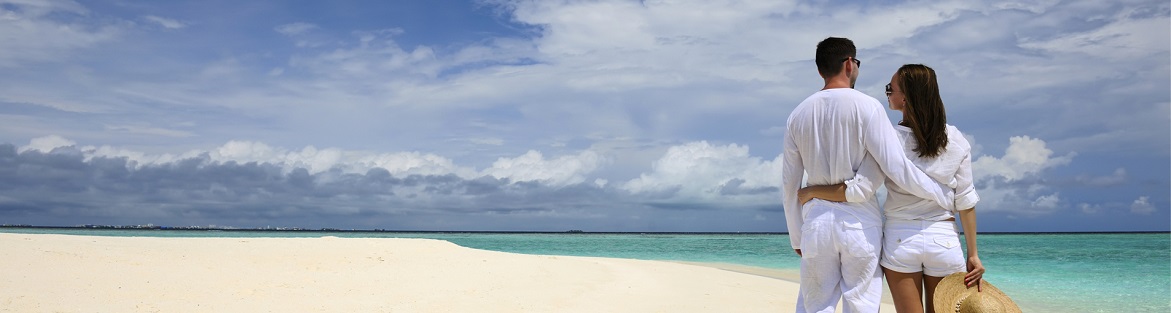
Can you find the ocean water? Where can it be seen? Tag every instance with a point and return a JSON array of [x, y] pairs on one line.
[[1096, 272]]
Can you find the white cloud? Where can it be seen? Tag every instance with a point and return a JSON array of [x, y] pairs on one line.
[[1047, 202], [245, 151], [166, 22], [312, 159], [699, 171], [320, 160], [411, 163], [1142, 205], [1024, 157], [1009, 183], [46, 144], [532, 166]]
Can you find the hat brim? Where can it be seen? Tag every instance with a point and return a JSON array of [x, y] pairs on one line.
[[951, 291]]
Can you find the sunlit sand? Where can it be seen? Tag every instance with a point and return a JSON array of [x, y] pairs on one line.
[[62, 273]]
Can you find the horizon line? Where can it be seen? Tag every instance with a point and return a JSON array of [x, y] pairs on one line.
[[572, 231]]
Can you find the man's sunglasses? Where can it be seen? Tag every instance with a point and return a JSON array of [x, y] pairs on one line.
[[889, 91], [856, 61]]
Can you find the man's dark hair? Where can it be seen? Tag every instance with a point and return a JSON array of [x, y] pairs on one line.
[[830, 54]]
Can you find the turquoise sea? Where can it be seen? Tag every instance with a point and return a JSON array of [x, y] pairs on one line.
[[1091, 272]]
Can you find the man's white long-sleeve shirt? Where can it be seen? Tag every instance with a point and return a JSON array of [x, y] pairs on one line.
[[828, 136]]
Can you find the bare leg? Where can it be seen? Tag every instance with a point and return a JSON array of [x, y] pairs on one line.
[[931, 282], [906, 289]]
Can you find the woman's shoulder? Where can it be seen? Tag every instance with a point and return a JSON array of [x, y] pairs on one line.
[[956, 139], [952, 131]]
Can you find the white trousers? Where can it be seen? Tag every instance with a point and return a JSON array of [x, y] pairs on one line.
[[839, 260]]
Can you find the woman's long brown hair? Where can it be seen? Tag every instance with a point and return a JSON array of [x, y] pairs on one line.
[[923, 111]]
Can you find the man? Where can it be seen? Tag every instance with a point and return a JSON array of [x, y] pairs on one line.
[[828, 137]]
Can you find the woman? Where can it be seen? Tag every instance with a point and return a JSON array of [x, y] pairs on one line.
[[920, 241]]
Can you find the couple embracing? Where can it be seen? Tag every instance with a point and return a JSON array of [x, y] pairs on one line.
[[843, 142]]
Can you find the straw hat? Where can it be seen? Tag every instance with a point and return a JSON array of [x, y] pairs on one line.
[[951, 295]]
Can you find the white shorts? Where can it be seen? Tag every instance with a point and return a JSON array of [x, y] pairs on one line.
[[922, 246]]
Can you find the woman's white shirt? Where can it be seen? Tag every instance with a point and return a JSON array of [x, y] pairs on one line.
[[952, 168]]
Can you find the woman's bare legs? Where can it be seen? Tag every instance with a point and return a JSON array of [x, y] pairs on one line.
[[906, 289], [930, 282]]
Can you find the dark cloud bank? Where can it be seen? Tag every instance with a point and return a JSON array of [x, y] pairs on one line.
[[62, 188]]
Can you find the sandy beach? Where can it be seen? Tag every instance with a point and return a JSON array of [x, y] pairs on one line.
[[62, 273]]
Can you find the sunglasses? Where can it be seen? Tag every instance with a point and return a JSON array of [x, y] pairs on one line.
[[856, 61], [889, 91]]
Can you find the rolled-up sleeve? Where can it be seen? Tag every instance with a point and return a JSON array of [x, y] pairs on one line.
[[865, 182], [966, 197]]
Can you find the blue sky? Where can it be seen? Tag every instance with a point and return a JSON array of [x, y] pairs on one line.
[[553, 115]]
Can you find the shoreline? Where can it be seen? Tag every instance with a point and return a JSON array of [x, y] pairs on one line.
[[330, 274]]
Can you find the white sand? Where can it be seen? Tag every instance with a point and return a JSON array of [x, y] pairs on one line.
[[60, 273]]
